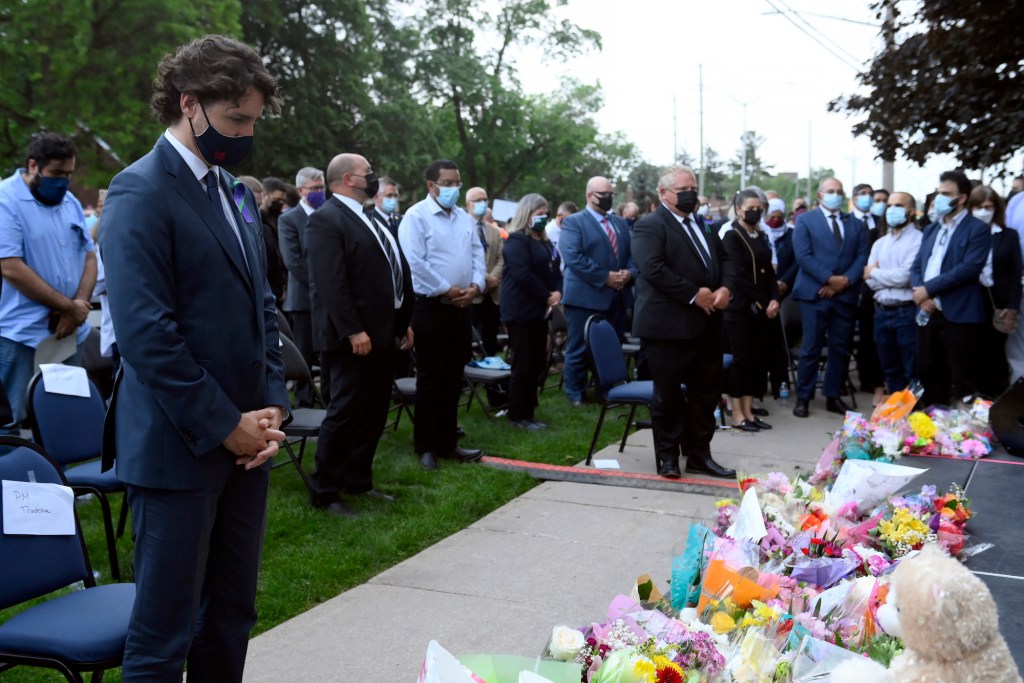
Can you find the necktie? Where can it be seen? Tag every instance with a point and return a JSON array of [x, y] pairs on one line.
[[393, 224], [611, 235], [212, 191], [704, 255], [396, 265], [836, 235], [481, 235]]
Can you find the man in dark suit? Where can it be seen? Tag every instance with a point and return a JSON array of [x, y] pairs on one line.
[[681, 289], [946, 286], [598, 277], [274, 193], [831, 249], [197, 407], [385, 205], [309, 183], [362, 301]]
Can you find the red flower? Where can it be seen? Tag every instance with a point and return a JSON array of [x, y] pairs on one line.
[[817, 541], [747, 483], [669, 675]]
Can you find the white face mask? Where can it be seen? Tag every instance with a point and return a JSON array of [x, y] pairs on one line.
[[984, 215]]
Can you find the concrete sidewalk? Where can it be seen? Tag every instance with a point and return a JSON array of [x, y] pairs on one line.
[[556, 555]]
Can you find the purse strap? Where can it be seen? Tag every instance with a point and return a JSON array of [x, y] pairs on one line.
[[753, 259]]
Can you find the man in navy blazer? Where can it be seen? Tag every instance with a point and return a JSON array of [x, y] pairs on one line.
[[831, 249], [198, 403], [599, 273], [946, 286]]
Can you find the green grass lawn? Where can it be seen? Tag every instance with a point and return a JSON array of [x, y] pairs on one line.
[[310, 557]]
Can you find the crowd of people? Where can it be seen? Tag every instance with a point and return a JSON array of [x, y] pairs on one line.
[[194, 265]]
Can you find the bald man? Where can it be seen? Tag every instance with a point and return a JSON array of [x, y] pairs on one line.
[[362, 299], [599, 274], [486, 311]]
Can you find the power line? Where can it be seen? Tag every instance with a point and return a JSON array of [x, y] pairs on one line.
[[813, 28], [832, 16], [813, 37]]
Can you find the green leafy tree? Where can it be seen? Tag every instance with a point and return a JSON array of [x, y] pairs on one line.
[[86, 69], [949, 80], [643, 182], [756, 167]]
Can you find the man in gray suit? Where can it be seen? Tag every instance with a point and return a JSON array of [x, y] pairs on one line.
[[198, 404], [310, 184]]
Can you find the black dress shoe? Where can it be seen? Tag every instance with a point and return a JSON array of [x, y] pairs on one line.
[[760, 412], [428, 461], [466, 454], [378, 495], [836, 405], [800, 409], [746, 426], [336, 508], [669, 470], [708, 466], [529, 425], [643, 424], [761, 423], [459, 432]]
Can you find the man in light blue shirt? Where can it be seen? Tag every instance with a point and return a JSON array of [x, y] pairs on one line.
[[48, 261], [446, 260]]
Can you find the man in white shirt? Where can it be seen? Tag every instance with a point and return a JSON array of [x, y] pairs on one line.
[[447, 263], [888, 277]]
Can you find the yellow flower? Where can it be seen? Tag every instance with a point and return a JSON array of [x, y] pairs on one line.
[[722, 623], [725, 502], [645, 670], [923, 426], [661, 663], [766, 613]]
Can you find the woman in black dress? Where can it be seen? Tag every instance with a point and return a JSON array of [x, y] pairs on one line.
[[531, 284], [754, 303]]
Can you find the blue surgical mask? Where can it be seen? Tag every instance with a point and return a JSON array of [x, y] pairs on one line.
[[389, 204], [831, 200], [895, 216], [863, 201], [539, 222], [49, 191], [878, 209], [447, 196], [479, 208], [943, 205], [316, 198]]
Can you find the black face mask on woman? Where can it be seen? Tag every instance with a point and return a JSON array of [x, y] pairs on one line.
[[752, 217]]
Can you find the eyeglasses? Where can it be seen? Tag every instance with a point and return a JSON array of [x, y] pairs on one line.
[[313, 188]]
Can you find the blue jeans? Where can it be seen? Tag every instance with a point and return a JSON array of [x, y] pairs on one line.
[[896, 339], [17, 361], [831, 321]]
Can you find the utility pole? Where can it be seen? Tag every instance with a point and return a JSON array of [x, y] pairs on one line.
[[743, 158], [889, 35], [810, 181], [675, 133], [703, 171]]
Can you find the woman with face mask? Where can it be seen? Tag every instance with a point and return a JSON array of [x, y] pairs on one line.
[[531, 285], [754, 304], [1002, 278]]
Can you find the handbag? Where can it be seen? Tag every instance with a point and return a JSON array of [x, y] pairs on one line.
[[1001, 324]]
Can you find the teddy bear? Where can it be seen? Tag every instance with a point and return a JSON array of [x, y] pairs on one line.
[[949, 625]]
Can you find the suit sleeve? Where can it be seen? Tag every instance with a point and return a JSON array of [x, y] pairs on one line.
[[648, 247], [137, 246], [803, 250], [328, 271], [570, 243], [277, 390], [288, 228], [855, 273], [1011, 245], [499, 262], [968, 268]]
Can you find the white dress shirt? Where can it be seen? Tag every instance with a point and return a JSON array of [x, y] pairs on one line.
[[442, 248], [357, 209], [867, 217], [689, 233], [894, 253], [839, 220]]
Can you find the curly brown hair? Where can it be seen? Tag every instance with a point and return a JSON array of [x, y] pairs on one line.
[[213, 68]]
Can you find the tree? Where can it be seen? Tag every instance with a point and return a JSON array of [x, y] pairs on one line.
[[62, 73], [716, 184], [643, 182], [755, 166], [950, 82]]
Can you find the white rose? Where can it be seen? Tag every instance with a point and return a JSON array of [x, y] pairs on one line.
[[565, 643]]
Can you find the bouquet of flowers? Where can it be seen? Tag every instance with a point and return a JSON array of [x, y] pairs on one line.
[[956, 433]]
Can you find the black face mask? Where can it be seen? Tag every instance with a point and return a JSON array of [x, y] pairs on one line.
[[686, 201], [372, 185], [275, 208], [752, 217], [604, 202]]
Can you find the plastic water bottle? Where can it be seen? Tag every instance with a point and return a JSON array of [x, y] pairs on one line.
[[784, 395], [922, 317]]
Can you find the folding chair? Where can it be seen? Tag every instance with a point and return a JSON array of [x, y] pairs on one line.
[[477, 378], [70, 428], [403, 394], [283, 326], [558, 334], [610, 378], [99, 368], [74, 633], [305, 422]]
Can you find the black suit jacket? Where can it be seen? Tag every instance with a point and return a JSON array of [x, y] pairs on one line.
[[1006, 269], [670, 271], [350, 283]]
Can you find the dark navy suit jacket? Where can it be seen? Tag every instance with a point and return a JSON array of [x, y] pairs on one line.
[[588, 257], [196, 327], [961, 294], [819, 259]]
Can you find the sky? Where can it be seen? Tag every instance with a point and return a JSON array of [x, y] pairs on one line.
[[651, 53]]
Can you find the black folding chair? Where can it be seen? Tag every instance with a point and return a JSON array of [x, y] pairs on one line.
[[305, 422]]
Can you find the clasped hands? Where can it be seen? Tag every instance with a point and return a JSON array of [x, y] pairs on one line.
[[72, 316], [711, 301], [618, 279], [463, 297], [837, 284], [254, 440], [924, 300]]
